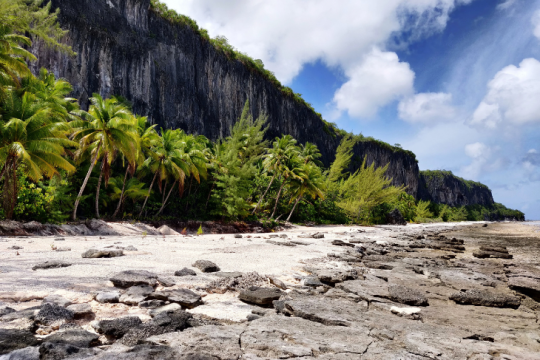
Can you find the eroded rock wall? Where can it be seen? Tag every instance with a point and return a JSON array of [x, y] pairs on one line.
[[179, 80]]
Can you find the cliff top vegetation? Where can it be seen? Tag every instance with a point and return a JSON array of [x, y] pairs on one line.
[[431, 175]]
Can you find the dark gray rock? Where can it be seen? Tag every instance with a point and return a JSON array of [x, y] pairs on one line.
[[342, 243], [28, 313], [185, 272], [15, 247], [395, 217], [130, 248], [485, 298], [237, 236], [529, 286], [151, 304], [130, 278], [135, 294], [405, 295], [252, 317], [53, 264], [260, 296], [491, 254], [108, 297], [57, 299], [79, 338], [80, 309], [336, 276], [317, 236], [183, 297], [58, 351], [28, 353], [166, 282], [116, 328], [11, 339], [51, 312], [145, 352], [102, 253], [160, 324], [206, 266], [6, 310], [312, 281], [170, 308]]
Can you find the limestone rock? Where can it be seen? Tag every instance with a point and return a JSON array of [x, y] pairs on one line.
[[160, 324], [327, 311], [135, 294], [165, 282], [57, 299], [116, 328], [80, 309], [336, 276], [165, 230], [102, 253], [11, 339], [485, 298], [260, 295], [108, 297], [130, 278], [79, 338], [206, 266], [170, 308], [28, 353], [53, 264], [54, 351], [184, 297], [185, 272], [405, 295], [51, 312]]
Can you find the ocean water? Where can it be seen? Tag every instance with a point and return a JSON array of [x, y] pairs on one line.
[[535, 223]]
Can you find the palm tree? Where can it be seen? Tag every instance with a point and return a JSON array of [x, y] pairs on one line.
[[109, 128], [31, 137], [310, 152], [166, 163], [291, 168], [282, 149], [148, 140], [310, 183], [131, 189]]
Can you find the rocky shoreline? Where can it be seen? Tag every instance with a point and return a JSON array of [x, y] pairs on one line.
[[437, 291]]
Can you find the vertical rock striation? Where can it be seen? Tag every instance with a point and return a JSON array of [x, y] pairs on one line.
[[178, 79]]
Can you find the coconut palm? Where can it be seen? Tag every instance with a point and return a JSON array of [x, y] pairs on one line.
[[290, 169], [109, 128], [166, 163], [310, 152], [310, 183], [33, 138], [131, 189], [282, 149]]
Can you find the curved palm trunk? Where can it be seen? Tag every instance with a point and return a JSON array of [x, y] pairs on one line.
[[277, 199], [92, 164], [98, 187], [167, 199], [147, 196], [294, 207], [262, 197], [209, 194], [121, 194]]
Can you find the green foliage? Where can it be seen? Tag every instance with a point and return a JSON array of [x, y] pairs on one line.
[[439, 175], [200, 230], [422, 211]]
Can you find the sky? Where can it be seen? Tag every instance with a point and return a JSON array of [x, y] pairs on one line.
[[455, 81]]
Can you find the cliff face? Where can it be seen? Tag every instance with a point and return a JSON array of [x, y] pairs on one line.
[[445, 188], [179, 80]]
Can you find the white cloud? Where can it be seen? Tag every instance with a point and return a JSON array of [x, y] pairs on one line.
[[483, 159], [427, 108], [288, 34], [512, 98], [535, 20], [378, 80], [506, 4]]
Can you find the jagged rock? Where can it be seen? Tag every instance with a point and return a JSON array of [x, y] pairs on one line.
[[317, 236], [136, 294], [170, 308], [108, 297], [260, 296], [56, 351], [311, 281], [79, 338], [342, 243], [491, 254], [485, 298], [151, 304], [529, 286], [277, 283], [102, 253], [185, 272], [405, 295], [206, 266], [80, 309], [130, 248], [57, 299], [395, 217], [130, 278], [6, 310], [165, 282], [160, 324], [28, 353], [51, 312], [12, 339], [28, 313], [370, 289], [184, 297], [377, 265], [100, 227], [116, 328], [50, 265]]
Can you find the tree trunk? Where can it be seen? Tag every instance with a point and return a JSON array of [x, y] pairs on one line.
[[121, 194], [92, 164], [277, 199], [189, 193], [209, 193], [98, 187], [294, 207], [167, 199], [147, 196], [3, 169], [262, 197], [164, 192]]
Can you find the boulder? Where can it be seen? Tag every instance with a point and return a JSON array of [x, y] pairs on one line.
[[100, 227], [485, 298], [395, 217], [28, 353], [102, 253], [76, 337], [108, 297], [130, 278], [342, 243], [11, 339], [57, 299], [184, 297], [80, 309], [165, 282], [260, 295], [185, 272], [50, 265], [491, 254], [6, 310], [135, 294], [405, 295], [50, 313], [160, 324], [165, 230], [206, 266], [237, 236], [56, 351], [116, 328]]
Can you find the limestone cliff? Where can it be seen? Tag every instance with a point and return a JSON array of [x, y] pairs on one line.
[[177, 78], [443, 187]]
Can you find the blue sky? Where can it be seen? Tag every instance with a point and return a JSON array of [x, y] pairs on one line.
[[455, 81]]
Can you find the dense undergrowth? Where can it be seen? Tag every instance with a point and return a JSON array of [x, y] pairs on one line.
[[60, 163]]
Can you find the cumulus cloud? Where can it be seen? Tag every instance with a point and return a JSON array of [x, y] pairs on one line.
[[512, 97], [285, 35], [483, 159], [535, 20], [505, 5], [379, 79], [427, 108]]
